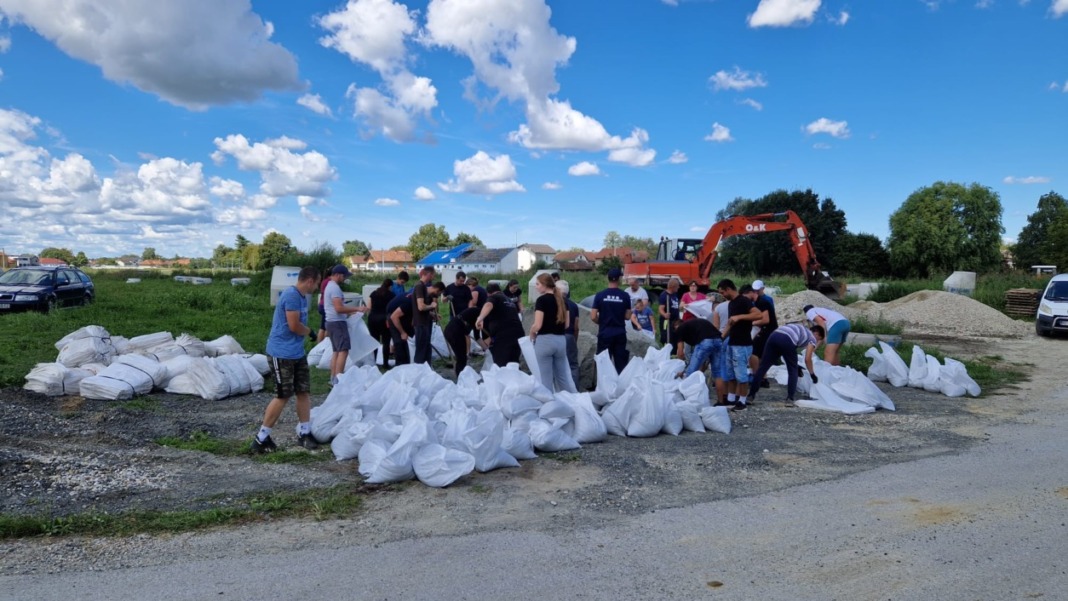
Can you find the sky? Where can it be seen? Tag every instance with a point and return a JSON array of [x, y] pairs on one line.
[[129, 124]]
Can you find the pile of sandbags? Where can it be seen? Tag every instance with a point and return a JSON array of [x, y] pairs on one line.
[[98, 365], [412, 423], [924, 371]]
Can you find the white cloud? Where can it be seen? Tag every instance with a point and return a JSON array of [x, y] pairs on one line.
[[424, 193], [631, 150], [551, 186], [719, 133], [583, 169], [678, 157], [821, 146], [698, 228], [387, 202], [5, 44], [753, 104], [983, 4], [737, 80], [837, 129], [314, 103], [1059, 8], [1032, 179], [483, 174], [515, 51], [227, 188], [194, 53], [841, 19], [373, 32], [283, 172], [783, 13], [671, 2]]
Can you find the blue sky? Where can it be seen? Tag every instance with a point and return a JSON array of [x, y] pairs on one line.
[[127, 124]]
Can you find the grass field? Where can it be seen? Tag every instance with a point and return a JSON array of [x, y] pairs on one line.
[[159, 303]]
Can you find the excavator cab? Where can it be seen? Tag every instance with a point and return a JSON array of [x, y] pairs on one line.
[[678, 249]]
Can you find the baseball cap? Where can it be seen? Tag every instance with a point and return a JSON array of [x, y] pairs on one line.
[[758, 285], [807, 308], [614, 274], [340, 269]]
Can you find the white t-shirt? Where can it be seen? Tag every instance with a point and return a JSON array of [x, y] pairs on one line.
[[722, 310], [832, 317], [331, 292], [637, 295]]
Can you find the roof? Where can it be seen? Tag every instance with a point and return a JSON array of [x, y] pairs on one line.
[[569, 255], [451, 255], [51, 261], [384, 256], [487, 255], [541, 249]]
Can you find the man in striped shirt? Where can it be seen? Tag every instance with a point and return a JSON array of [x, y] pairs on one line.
[[784, 343]]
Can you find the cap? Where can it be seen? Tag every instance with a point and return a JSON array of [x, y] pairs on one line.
[[758, 285], [806, 308], [614, 274], [340, 269]]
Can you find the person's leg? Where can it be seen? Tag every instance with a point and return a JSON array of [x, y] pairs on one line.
[[544, 352], [458, 347], [400, 348], [618, 351], [700, 354], [561, 368], [740, 366], [836, 337], [422, 344], [790, 359], [772, 352], [572, 357]]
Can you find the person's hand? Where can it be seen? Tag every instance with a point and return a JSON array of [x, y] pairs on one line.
[[815, 380], [478, 324], [404, 336], [311, 335]]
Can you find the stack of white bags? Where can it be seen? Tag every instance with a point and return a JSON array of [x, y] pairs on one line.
[[924, 372], [412, 422], [97, 365]]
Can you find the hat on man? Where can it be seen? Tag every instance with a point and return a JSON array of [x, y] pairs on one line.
[[614, 274], [758, 285], [340, 269]]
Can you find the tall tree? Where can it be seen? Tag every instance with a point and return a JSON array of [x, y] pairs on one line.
[[241, 242], [353, 248], [427, 239], [613, 240], [1058, 242], [274, 249], [860, 255], [63, 254], [149, 253], [636, 243], [946, 227], [80, 260], [464, 237], [1035, 244]]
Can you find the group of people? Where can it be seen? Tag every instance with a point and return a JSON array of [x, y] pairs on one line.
[[740, 342]]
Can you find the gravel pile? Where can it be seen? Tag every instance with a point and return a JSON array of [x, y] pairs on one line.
[[932, 312]]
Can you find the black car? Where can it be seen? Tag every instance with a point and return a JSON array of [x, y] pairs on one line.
[[44, 288]]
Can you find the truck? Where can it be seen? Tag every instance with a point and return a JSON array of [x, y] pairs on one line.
[[691, 259]]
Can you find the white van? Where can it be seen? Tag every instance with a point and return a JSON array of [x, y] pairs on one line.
[[1053, 307]]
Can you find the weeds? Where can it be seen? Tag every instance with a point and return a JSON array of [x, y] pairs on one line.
[[206, 443]]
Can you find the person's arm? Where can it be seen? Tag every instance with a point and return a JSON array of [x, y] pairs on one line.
[[474, 300], [595, 315], [396, 318], [295, 325], [519, 304], [342, 308], [422, 305], [539, 317], [486, 308], [663, 310], [809, 351], [751, 316], [763, 320], [577, 315], [634, 321]]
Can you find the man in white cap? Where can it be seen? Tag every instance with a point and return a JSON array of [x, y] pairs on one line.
[[337, 314], [767, 324]]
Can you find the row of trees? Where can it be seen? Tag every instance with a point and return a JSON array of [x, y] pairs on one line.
[[1044, 240]]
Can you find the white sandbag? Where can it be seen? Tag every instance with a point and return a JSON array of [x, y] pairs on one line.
[[853, 386], [607, 378], [588, 425], [438, 466], [701, 308], [370, 455], [89, 349], [673, 422], [650, 412], [223, 345], [694, 388], [175, 367], [155, 370], [518, 444], [243, 376], [526, 347], [349, 442], [516, 405], [636, 369], [363, 345], [824, 398], [897, 373], [877, 371], [193, 346], [259, 362], [396, 465], [121, 344], [931, 382], [556, 408], [691, 416], [954, 374], [917, 368], [182, 384], [55, 379], [550, 437], [144, 342], [210, 383], [119, 381], [86, 332], [315, 356], [656, 356], [485, 440], [716, 419]]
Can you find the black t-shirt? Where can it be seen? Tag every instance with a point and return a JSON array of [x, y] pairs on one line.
[[573, 309], [461, 297], [380, 300], [421, 318], [482, 296], [741, 333], [763, 304], [461, 325], [671, 301], [516, 296], [404, 303], [694, 331], [546, 303], [503, 318]]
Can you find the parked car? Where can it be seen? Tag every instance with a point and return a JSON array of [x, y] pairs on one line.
[[44, 288], [1052, 313]]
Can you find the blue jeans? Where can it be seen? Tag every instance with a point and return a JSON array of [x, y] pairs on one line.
[[706, 350], [738, 361]]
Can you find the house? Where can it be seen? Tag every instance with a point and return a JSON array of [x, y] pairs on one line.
[[154, 263], [26, 260], [542, 252], [626, 255], [481, 260], [572, 261], [383, 261], [128, 261], [52, 262]]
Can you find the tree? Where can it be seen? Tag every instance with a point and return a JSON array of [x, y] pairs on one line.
[[860, 255], [273, 250], [148, 254], [427, 239], [1058, 241], [610, 263], [355, 248], [464, 237], [63, 254], [946, 227], [80, 260], [241, 242], [1035, 244], [613, 240], [772, 253], [636, 243], [250, 257]]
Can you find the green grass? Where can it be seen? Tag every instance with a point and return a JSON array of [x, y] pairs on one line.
[[863, 325], [569, 457], [205, 443], [320, 504], [145, 403]]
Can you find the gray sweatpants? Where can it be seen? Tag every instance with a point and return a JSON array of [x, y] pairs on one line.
[[551, 351], [572, 357]]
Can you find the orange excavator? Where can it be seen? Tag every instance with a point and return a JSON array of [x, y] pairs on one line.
[[691, 259]]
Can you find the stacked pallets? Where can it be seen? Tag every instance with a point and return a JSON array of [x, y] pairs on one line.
[[1021, 302]]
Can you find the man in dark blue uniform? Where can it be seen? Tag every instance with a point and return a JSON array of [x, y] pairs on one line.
[[611, 311]]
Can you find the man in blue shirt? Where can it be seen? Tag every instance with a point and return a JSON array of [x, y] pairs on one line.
[[398, 284], [289, 367], [611, 311]]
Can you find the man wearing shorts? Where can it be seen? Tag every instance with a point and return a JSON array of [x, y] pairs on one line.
[[835, 324], [289, 367], [337, 322], [741, 315]]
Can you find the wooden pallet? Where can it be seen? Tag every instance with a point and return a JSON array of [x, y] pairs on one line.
[[1022, 302]]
